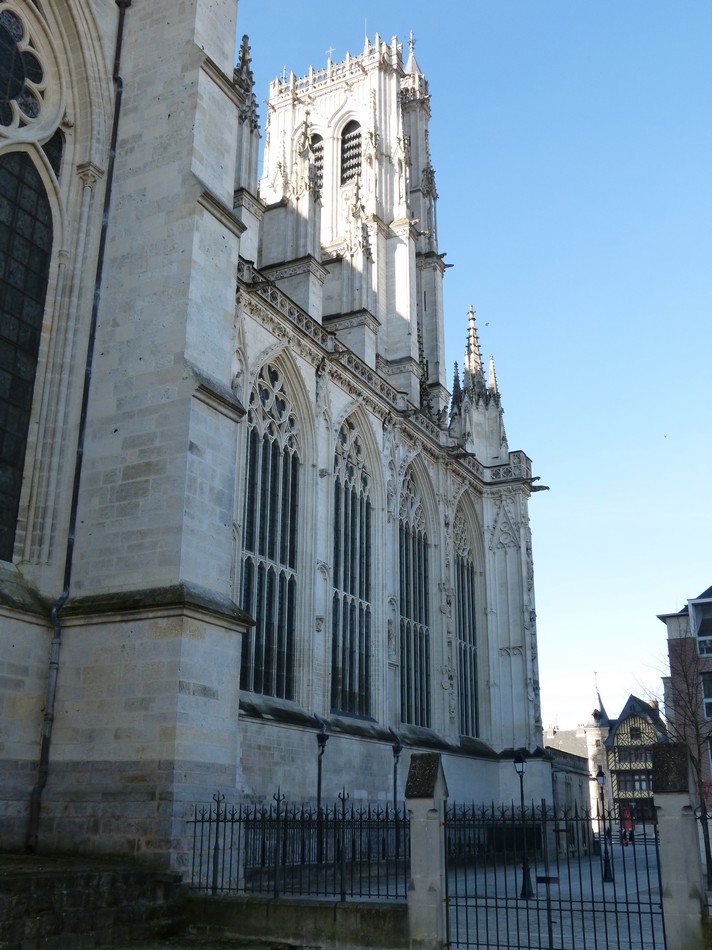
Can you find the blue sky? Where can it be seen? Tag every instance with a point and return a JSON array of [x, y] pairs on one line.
[[572, 147]]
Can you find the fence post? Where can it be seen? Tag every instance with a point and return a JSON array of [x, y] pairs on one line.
[[682, 889], [426, 795]]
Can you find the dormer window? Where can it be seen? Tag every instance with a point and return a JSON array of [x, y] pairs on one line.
[[350, 152]]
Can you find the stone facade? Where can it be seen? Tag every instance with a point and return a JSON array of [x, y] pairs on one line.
[[247, 508]]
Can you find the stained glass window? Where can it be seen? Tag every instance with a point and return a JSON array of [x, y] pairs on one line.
[[21, 74], [414, 553], [466, 630], [269, 565], [25, 249], [351, 602]]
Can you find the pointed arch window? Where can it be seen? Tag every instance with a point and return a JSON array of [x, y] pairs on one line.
[[414, 554], [25, 250], [351, 602], [350, 152], [271, 520], [466, 629], [21, 73], [316, 144]]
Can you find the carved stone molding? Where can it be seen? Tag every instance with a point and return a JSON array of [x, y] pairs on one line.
[[89, 173], [511, 651]]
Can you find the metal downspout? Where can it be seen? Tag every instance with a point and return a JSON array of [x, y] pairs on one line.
[[53, 670]]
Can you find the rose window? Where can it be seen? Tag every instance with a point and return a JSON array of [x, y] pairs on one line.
[[21, 75]]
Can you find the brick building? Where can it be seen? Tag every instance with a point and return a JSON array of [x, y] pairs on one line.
[[688, 689]]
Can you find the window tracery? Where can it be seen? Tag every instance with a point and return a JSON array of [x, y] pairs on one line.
[[351, 603], [269, 566], [414, 552], [22, 78], [466, 628]]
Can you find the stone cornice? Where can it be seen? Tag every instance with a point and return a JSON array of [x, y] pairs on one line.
[[302, 265], [268, 710], [16, 594], [172, 600], [216, 395], [358, 318], [223, 82], [242, 198], [220, 211], [405, 227]]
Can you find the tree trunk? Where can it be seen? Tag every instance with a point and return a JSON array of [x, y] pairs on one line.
[[705, 830]]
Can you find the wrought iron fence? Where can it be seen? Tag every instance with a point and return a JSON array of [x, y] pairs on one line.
[[539, 879], [345, 851]]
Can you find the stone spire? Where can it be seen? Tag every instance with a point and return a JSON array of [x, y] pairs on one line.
[[411, 67], [426, 402], [492, 378], [456, 388], [428, 180], [244, 80], [245, 202], [473, 355]]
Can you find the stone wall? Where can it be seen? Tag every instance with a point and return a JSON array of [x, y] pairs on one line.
[[69, 905], [324, 924]]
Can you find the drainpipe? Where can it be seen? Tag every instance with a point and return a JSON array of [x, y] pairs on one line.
[[53, 671]]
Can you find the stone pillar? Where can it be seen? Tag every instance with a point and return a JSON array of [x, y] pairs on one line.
[[683, 892], [426, 796]]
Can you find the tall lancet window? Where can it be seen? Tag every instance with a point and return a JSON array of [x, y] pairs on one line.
[[466, 629], [269, 564], [350, 152], [316, 144], [414, 609], [351, 604], [25, 250]]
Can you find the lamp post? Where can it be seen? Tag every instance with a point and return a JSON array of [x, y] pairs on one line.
[[321, 739], [397, 749], [520, 765], [607, 870]]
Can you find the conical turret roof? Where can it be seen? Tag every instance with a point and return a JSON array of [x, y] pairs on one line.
[[599, 717]]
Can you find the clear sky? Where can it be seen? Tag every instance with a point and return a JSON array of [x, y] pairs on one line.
[[572, 147]]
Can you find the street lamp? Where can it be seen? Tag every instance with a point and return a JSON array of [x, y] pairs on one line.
[[322, 737], [520, 765], [397, 749], [607, 870]]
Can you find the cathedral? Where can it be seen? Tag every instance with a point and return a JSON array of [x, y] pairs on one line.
[[247, 532]]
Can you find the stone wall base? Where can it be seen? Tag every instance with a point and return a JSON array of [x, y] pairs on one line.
[[70, 904], [136, 809], [302, 923]]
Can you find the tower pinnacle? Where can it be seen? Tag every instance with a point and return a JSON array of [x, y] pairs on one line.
[[411, 67], [492, 378], [473, 356]]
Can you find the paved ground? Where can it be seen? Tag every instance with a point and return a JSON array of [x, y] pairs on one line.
[[580, 911]]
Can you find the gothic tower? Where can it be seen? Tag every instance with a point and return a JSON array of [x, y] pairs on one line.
[[347, 148]]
